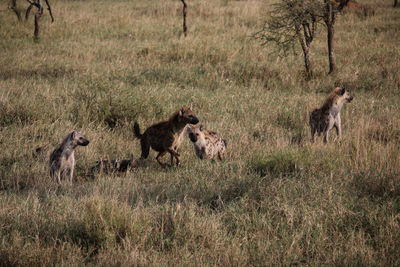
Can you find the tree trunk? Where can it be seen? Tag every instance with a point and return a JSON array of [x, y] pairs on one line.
[[307, 62], [38, 14], [28, 10], [395, 3], [15, 9], [306, 52], [331, 49], [184, 11]]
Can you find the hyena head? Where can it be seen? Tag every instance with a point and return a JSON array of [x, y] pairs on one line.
[[186, 115], [343, 95], [78, 139], [195, 133]]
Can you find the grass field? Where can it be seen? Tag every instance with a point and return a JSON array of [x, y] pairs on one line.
[[277, 199]]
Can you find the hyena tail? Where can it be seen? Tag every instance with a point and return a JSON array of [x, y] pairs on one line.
[[136, 131]]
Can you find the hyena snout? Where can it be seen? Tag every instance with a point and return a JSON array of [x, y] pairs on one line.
[[350, 98], [194, 120], [83, 141], [193, 137]]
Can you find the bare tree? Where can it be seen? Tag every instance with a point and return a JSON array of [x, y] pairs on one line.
[[184, 11], [329, 16], [39, 13], [289, 22]]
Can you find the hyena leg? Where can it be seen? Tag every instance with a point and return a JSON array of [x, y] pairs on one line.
[[326, 136], [70, 175], [159, 156], [221, 154], [175, 155], [145, 147], [338, 127], [338, 131], [313, 130], [59, 177], [327, 129]]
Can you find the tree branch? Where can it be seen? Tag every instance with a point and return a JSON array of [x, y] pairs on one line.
[[36, 4], [28, 10], [49, 8]]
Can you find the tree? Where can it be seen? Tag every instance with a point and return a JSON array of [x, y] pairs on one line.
[[184, 11], [329, 15], [289, 22], [395, 3], [39, 13]]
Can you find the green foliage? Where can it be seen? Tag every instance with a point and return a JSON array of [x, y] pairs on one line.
[[284, 23]]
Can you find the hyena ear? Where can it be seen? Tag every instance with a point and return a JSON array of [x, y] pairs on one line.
[[201, 128], [73, 134], [181, 111], [189, 129], [342, 91], [191, 106]]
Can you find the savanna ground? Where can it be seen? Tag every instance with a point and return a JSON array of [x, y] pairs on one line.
[[277, 199]]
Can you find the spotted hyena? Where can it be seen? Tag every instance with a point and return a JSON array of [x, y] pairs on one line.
[[62, 159], [323, 119], [166, 136], [207, 143]]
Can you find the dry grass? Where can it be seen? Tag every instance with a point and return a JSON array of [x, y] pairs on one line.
[[277, 199]]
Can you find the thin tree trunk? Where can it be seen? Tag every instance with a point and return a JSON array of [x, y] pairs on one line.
[[184, 11], [306, 52], [331, 48], [307, 62], [15, 9], [38, 14], [395, 3], [28, 10]]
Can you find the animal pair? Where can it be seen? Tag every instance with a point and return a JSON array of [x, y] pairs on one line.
[[166, 137]]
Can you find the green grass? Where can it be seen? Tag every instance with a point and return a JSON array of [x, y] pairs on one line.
[[277, 199]]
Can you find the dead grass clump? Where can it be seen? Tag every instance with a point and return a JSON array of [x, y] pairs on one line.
[[280, 163], [377, 184], [15, 114], [45, 72]]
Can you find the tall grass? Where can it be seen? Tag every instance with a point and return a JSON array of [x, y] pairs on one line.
[[276, 199]]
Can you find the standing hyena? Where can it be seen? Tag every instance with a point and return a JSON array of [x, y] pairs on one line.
[[206, 143], [166, 136], [323, 119], [63, 157]]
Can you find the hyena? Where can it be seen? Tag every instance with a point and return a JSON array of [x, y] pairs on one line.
[[62, 159], [323, 119], [207, 143], [166, 136]]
